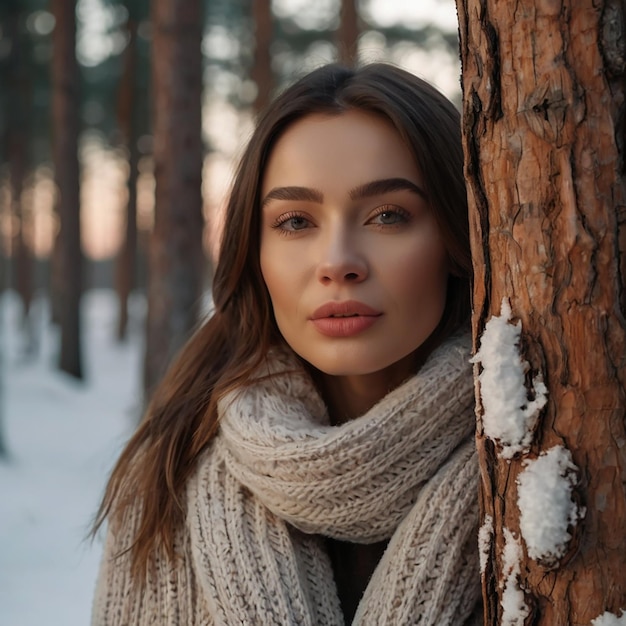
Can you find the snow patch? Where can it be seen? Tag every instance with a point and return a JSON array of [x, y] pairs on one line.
[[63, 438], [485, 537], [509, 417], [545, 503], [514, 608], [609, 619]]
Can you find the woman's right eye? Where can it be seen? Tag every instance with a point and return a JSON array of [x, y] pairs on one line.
[[291, 223]]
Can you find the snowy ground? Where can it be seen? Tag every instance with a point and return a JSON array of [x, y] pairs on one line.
[[62, 439]]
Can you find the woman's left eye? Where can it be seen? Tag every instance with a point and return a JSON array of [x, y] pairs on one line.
[[389, 216]]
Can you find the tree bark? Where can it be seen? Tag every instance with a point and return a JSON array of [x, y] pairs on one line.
[[65, 129], [125, 269], [348, 32], [176, 254], [544, 122], [262, 73]]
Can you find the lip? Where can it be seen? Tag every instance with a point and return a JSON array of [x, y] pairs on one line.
[[361, 318], [347, 307]]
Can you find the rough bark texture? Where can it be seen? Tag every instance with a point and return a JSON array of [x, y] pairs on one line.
[[543, 115], [348, 32], [262, 73], [125, 269], [65, 129], [176, 257]]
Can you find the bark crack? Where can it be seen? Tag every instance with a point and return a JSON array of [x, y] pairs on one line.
[[494, 108], [475, 122]]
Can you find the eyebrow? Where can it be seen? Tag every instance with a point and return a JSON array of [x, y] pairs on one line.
[[385, 185], [304, 194], [367, 190]]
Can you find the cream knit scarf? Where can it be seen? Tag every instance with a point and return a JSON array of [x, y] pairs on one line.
[[278, 478]]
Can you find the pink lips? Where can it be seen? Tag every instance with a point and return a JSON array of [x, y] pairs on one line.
[[344, 319]]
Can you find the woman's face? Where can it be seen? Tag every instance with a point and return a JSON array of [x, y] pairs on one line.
[[350, 250]]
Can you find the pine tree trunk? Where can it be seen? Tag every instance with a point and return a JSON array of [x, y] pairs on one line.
[[262, 74], [176, 254], [4, 452], [21, 252], [544, 122], [17, 143], [65, 128], [348, 32], [3, 365], [24, 270], [125, 269]]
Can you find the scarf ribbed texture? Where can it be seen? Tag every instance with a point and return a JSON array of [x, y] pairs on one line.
[[278, 476]]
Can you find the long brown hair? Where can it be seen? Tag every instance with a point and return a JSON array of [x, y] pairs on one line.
[[182, 417]]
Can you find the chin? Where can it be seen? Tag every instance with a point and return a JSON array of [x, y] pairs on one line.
[[354, 366], [336, 366], [344, 370]]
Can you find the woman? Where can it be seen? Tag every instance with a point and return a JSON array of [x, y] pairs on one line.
[[309, 457]]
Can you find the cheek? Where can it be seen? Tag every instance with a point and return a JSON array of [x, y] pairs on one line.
[[279, 275], [421, 273], [422, 291], [270, 271]]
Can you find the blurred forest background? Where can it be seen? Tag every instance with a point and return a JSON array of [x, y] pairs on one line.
[[119, 123]]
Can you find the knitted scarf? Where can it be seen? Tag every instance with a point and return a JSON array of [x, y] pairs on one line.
[[278, 478]]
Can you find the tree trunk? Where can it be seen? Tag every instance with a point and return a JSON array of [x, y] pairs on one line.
[[176, 255], [17, 142], [65, 128], [543, 117], [4, 255], [348, 32], [262, 73], [125, 269], [4, 452], [24, 268], [21, 252]]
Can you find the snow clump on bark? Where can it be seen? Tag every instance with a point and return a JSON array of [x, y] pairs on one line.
[[609, 619], [544, 499], [485, 537], [509, 416], [514, 608]]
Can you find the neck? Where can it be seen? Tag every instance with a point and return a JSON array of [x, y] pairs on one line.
[[349, 397]]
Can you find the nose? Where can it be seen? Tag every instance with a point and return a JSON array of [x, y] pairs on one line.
[[341, 259]]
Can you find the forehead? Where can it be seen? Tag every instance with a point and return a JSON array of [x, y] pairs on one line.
[[339, 150]]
